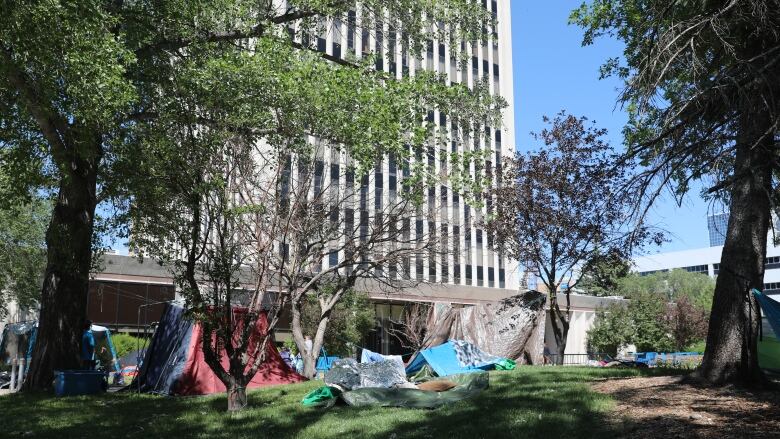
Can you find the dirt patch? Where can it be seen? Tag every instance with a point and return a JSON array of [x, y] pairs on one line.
[[666, 407]]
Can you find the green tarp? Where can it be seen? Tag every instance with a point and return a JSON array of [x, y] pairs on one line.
[[324, 396], [467, 385]]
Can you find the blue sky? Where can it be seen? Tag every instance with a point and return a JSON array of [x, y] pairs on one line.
[[552, 71]]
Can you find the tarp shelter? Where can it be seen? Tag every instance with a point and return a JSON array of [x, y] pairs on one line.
[[511, 328], [769, 345], [19, 339], [453, 357], [174, 364]]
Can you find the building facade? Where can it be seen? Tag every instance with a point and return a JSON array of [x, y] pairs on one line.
[[707, 261]]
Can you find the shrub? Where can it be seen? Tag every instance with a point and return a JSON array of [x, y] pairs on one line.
[[124, 343]]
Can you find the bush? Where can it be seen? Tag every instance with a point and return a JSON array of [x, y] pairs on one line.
[[611, 330], [124, 343], [642, 323]]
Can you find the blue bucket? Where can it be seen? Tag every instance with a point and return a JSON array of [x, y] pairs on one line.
[[79, 382]]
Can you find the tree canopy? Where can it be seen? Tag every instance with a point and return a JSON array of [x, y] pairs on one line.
[[563, 208]]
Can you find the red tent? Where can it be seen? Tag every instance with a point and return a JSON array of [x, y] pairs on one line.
[[174, 364]]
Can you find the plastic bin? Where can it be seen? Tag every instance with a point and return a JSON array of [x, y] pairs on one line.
[[79, 382]]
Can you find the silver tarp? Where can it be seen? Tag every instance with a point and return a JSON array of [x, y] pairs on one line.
[[511, 328], [348, 374]]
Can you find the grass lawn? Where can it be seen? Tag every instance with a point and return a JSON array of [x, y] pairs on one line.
[[545, 402]]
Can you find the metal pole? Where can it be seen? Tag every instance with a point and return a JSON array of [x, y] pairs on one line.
[[13, 375], [20, 378]]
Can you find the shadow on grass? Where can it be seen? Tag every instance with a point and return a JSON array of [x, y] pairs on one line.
[[528, 402]]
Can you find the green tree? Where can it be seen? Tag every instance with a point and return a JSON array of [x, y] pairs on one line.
[[562, 207], [612, 330], [351, 319], [640, 323], [704, 103], [673, 285], [651, 332], [603, 274], [90, 88], [22, 253]]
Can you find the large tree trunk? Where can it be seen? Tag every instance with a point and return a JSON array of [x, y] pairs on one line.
[[731, 353], [236, 396], [69, 258]]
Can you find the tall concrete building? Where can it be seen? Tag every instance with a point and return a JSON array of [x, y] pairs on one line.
[[471, 263]]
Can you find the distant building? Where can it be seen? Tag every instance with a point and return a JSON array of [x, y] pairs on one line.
[[717, 225], [707, 261]]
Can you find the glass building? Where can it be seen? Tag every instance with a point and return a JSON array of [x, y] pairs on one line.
[[717, 225]]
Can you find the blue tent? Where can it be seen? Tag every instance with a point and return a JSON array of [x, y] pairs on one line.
[[769, 346], [452, 357]]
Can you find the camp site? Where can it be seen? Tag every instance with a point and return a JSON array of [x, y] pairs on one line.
[[389, 219]]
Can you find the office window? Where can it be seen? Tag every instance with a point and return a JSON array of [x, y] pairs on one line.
[[480, 276], [696, 269], [365, 45], [773, 262], [319, 170], [351, 20]]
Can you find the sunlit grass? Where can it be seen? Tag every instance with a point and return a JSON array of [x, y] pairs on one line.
[[527, 402]]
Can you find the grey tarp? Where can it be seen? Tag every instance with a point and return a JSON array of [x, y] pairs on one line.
[[511, 328], [468, 385]]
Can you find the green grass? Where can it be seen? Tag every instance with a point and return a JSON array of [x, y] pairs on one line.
[[544, 402]]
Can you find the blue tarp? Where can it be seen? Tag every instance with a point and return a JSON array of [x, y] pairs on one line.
[[368, 356], [452, 357], [325, 363]]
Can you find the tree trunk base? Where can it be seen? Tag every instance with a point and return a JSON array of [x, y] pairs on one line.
[[236, 399], [755, 379]]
